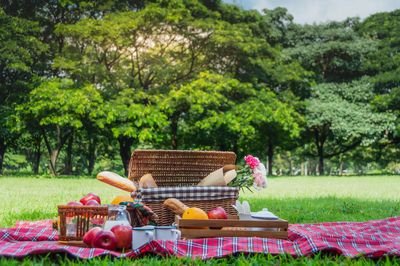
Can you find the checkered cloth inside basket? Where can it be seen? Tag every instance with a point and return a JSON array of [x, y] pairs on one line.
[[187, 193]]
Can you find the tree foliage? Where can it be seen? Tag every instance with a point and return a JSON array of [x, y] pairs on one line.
[[340, 117], [19, 53], [94, 79]]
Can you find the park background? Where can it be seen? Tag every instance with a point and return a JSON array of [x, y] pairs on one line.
[[84, 83]]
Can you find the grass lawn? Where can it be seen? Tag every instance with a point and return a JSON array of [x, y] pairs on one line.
[[297, 199]]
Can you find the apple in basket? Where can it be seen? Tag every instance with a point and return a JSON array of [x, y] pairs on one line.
[[217, 213], [123, 234], [90, 196], [105, 240], [92, 203], [74, 203]]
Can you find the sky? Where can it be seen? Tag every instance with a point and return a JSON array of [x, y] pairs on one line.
[[310, 11]]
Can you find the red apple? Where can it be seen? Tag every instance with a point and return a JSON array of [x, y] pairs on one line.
[[217, 213], [89, 236], [90, 196], [92, 203], [104, 239], [75, 203], [123, 234]]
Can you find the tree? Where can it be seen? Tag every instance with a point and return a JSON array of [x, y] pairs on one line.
[[18, 61], [220, 112], [133, 117], [191, 108], [384, 65], [340, 117], [333, 51], [275, 123], [60, 107], [336, 55]]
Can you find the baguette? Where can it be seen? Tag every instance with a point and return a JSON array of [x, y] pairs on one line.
[[175, 205], [116, 180], [147, 181]]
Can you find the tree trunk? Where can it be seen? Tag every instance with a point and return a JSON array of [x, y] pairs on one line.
[[321, 160], [3, 148], [38, 154], [56, 151], [320, 141], [174, 132], [68, 161], [125, 144], [270, 154], [91, 152], [53, 161], [92, 155], [341, 168]]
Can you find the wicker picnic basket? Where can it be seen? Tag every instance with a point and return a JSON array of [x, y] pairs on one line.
[[179, 168]]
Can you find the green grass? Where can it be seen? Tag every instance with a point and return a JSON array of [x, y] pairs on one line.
[[297, 199]]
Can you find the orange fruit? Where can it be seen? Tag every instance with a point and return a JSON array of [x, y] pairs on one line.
[[195, 213], [121, 198]]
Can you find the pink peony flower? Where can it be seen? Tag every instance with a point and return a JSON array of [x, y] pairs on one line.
[[253, 162], [258, 178]]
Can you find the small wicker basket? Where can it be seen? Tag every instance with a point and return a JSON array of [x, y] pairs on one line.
[[83, 217], [178, 168]]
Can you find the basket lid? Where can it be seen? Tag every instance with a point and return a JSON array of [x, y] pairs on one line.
[[177, 167]]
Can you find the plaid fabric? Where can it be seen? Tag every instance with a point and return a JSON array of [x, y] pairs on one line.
[[370, 239], [142, 215], [185, 193]]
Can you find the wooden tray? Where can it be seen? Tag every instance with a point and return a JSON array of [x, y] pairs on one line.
[[75, 243], [232, 227]]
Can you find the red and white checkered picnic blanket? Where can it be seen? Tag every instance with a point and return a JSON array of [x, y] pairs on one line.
[[371, 239]]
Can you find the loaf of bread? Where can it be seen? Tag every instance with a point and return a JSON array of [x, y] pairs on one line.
[[175, 205], [147, 181], [116, 180]]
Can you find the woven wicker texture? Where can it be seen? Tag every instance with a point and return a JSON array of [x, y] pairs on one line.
[[83, 215], [167, 217], [171, 168]]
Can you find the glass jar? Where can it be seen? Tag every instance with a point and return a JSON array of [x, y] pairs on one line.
[[117, 215]]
